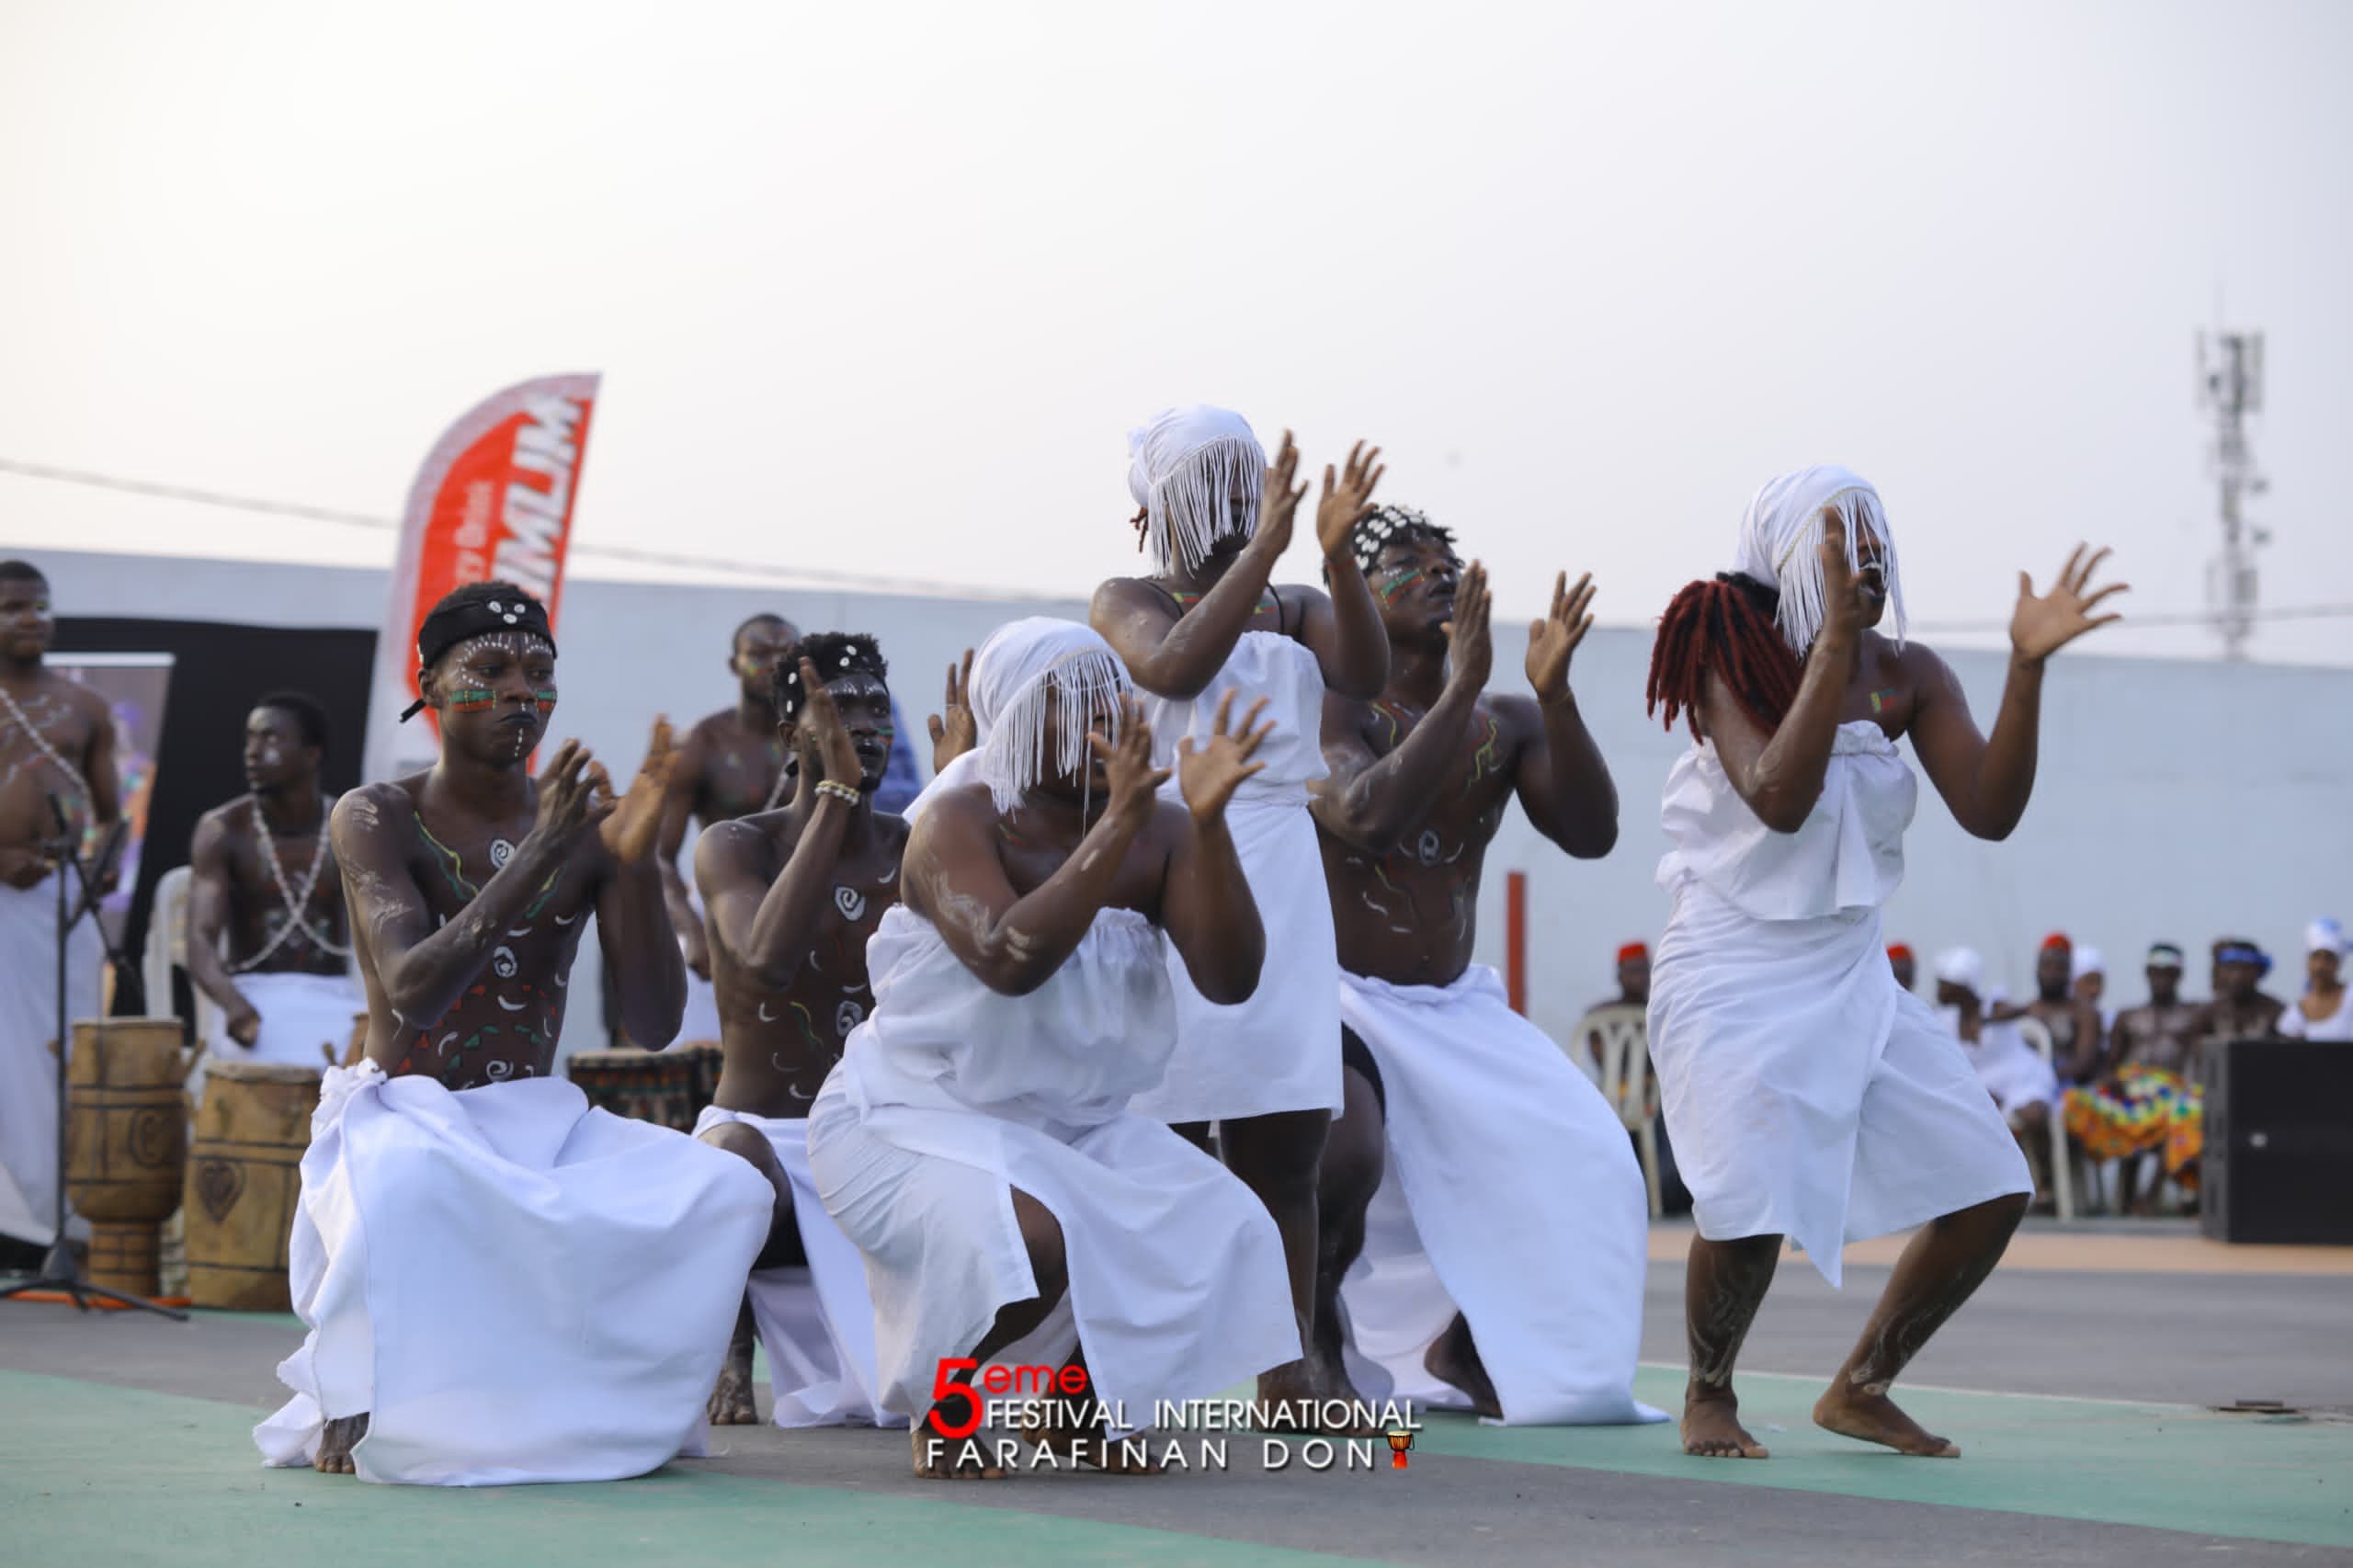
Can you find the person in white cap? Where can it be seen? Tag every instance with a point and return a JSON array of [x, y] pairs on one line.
[[2023, 1085], [1808, 1097], [2320, 1013], [2088, 975]]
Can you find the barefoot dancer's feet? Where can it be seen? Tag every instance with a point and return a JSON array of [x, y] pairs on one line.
[[955, 1459], [1290, 1384], [732, 1401], [1868, 1414], [1711, 1428], [336, 1442], [1453, 1359]]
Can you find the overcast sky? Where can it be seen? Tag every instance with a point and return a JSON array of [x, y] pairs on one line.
[[879, 289]]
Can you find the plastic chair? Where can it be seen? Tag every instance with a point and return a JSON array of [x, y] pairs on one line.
[[167, 949], [1620, 1034], [2063, 1173]]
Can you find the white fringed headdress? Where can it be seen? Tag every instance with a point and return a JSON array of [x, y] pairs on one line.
[[1023, 667], [1185, 468], [1780, 543]]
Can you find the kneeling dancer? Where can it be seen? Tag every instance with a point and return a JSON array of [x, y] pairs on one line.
[[502, 1284], [975, 1142], [1808, 1096], [792, 897], [1504, 1248]]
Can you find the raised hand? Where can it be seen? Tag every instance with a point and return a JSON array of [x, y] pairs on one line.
[[1470, 646], [836, 753], [571, 797], [1346, 501], [1553, 640], [2040, 627], [959, 731], [631, 825], [1128, 764], [1278, 500], [1847, 607], [1209, 773]]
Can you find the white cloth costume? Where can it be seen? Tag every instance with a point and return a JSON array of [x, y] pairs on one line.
[[2013, 1072], [1806, 1093], [511, 1285], [27, 1070], [951, 1097], [1281, 1050], [2322, 935], [1511, 1193], [299, 1013], [815, 1320]]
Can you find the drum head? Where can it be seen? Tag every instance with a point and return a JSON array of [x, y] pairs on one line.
[[260, 1072]]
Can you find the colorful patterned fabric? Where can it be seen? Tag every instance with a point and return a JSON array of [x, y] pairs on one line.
[[2141, 1108]]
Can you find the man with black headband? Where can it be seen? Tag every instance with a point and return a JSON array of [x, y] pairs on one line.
[[791, 896], [1487, 1183], [56, 744], [464, 1213]]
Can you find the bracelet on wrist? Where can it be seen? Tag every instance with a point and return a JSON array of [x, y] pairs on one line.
[[838, 791]]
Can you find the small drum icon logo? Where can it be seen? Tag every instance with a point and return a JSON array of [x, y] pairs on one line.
[[1398, 1443]]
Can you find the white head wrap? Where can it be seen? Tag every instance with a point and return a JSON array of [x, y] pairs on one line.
[[1023, 666], [1185, 468], [2324, 936], [1961, 967], [1780, 543], [2087, 961]]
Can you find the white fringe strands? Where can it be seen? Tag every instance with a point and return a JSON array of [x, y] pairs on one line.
[[1081, 686], [1190, 469], [1796, 564]]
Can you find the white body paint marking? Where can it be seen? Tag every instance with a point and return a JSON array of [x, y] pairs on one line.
[[512, 1006], [767, 1016]]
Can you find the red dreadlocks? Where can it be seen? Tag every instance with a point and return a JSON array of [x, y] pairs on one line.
[[1721, 626]]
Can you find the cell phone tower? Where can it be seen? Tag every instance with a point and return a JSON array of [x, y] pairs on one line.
[[2229, 387]]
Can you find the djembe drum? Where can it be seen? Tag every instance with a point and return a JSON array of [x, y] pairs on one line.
[[126, 1142], [667, 1087], [245, 1178]]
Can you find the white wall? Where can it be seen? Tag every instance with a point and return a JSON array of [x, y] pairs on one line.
[[2177, 799]]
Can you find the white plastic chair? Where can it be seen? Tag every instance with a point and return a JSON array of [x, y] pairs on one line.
[[1620, 1032], [167, 950], [2063, 1173]]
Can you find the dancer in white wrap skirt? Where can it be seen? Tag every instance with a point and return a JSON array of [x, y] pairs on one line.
[[1808, 1097], [976, 1142], [1480, 1186], [1207, 625], [794, 895], [502, 1284]]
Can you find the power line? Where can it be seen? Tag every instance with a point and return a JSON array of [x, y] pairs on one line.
[[853, 580], [753, 570]]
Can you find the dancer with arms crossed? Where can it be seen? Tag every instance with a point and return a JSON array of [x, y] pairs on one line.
[[1808, 1097]]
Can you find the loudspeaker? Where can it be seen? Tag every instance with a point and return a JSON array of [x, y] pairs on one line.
[[2279, 1160]]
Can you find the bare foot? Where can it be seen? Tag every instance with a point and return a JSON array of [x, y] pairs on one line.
[[956, 1458], [335, 1444], [1866, 1413], [1453, 1361], [1290, 1384], [733, 1402], [1711, 1428], [1332, 1385]]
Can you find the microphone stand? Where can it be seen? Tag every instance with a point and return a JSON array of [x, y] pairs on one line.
[[57, 1270]]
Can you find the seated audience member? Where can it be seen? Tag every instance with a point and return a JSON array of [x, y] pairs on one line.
[[2013, 1072], [1901, 960], [2320, 1013], [2148, 1104]]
